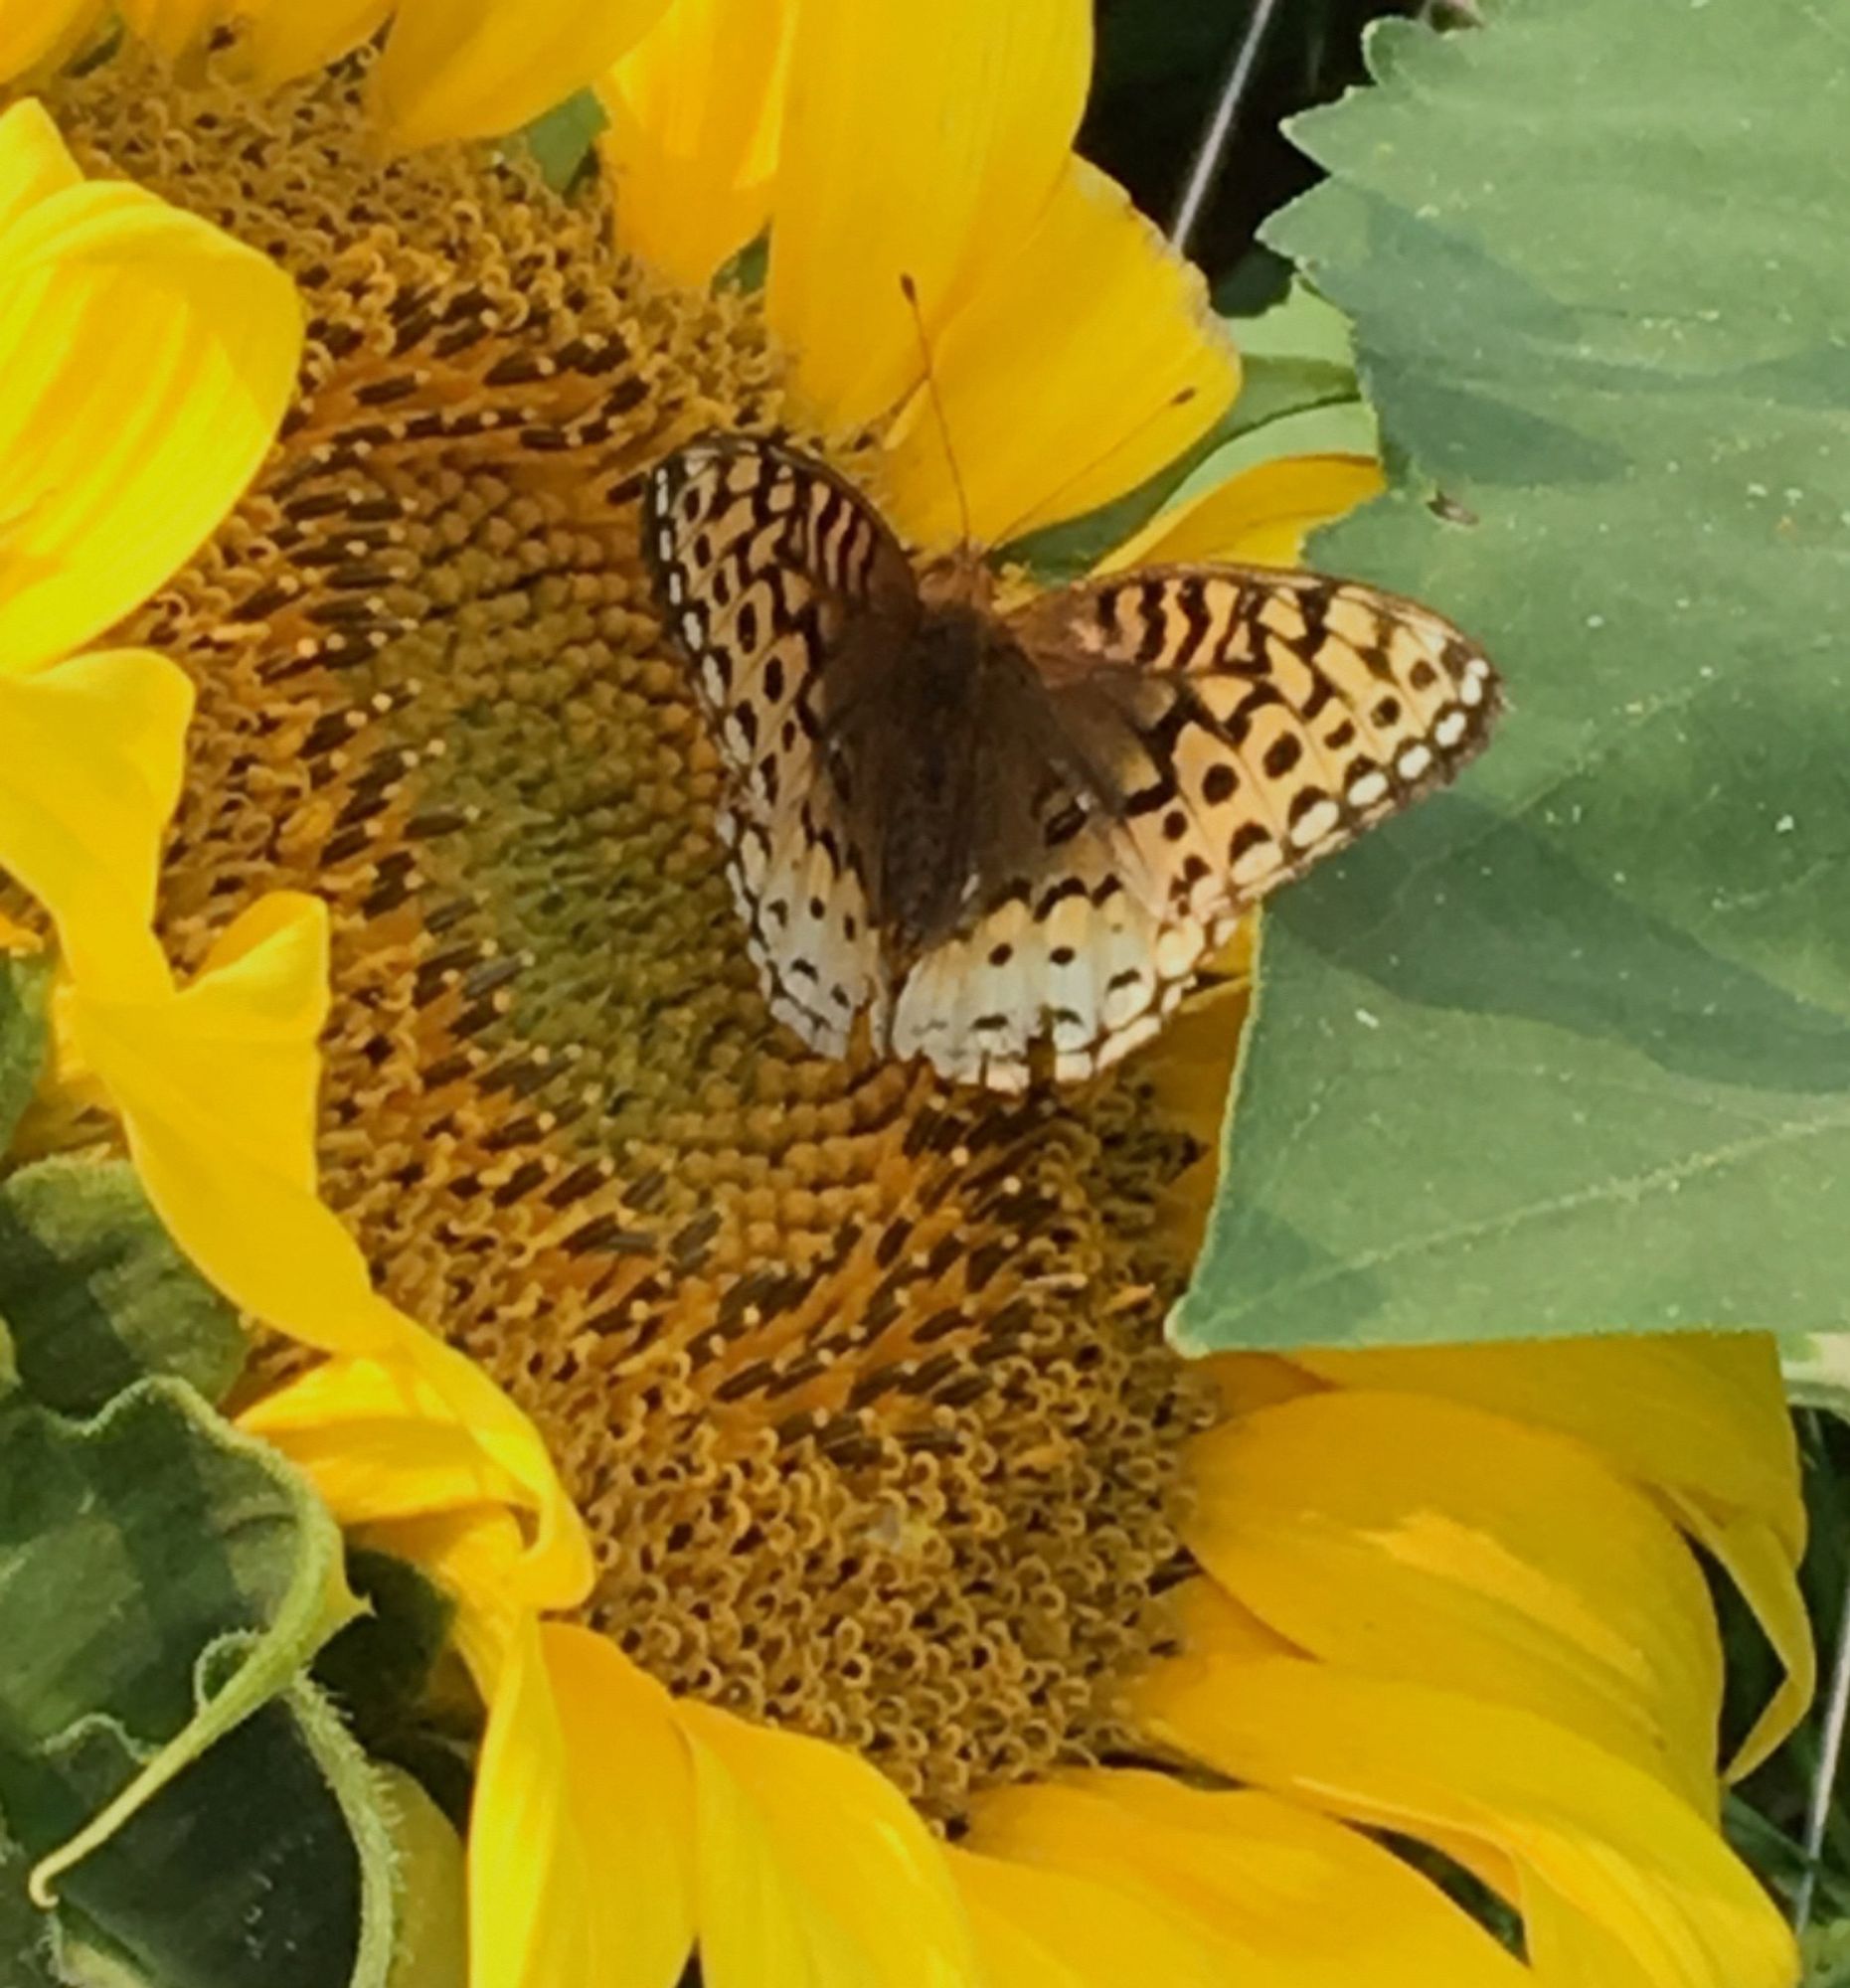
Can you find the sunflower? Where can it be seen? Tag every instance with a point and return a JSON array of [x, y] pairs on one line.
[[944, 1625]]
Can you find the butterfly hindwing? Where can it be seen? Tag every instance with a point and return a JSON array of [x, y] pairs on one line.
[[775, 577]]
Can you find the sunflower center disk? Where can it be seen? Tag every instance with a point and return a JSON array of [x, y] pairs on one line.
[[858, 1380]]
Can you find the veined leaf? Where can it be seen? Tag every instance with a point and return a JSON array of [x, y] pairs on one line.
[[24, 987], [1568, 1049], [94, 1295], [267, 1864]]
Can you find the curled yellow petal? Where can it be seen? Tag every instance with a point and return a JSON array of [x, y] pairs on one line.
[[172, 27], [1713, 1441], [1079, 364], [422, 1439], [1284, 1897], [34, 162], [95, 751], [695, 112], [1411, 1538], [1257, 516], [146, 359], [216, 1088], [814, 1870], [1760, 1564], [282, 39], [918, 141], [473, 69], [36, 34], [378, 1442], [555, 1569], [1607, 1861], [472, 1555]]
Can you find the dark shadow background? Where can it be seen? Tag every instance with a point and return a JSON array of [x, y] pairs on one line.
[[1159, 71]]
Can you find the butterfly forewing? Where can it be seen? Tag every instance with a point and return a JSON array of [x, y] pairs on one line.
[[773, 573], [1236, 724], [1150, 755]]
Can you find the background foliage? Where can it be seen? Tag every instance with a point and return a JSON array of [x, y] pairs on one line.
[[1567, 1049]]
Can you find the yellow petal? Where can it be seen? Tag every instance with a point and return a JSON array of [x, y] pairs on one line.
[[95, 750], [696, 114], [473, 69], [631, 1790], [1284, 1897], [813, 1872], [1703, 1413], [1048, 1928], [282, 39], [426, 1433], [1713, 1442], [172, 27], [1597, 1844], [528, 1870], [37, 34], [1760, 1564], [1189, 1069], [216, 1088], [1259, 517], [581, 1830], [378, 1442], [918, 141], [146, 360], [34, 163], [1077, 367], [1418, 1539], [472, 1555], [557, 1568]]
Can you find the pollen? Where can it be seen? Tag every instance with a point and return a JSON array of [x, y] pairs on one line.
[[858, 1379]]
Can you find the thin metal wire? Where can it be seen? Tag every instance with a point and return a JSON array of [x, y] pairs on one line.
[[1824, 1777], [1204, 167]]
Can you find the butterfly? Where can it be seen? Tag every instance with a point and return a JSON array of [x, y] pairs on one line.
[[989, 832]]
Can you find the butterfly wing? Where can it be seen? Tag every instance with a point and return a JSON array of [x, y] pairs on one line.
[[1219, 729], [784, 590]]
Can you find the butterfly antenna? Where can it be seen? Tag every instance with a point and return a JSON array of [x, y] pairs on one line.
[[911, 291], [1180, 399]]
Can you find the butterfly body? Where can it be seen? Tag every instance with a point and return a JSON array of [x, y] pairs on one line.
[[912, 741], [999, 837]]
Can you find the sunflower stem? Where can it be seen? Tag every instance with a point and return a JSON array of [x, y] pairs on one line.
[[1824, 1777], [1210, 154]]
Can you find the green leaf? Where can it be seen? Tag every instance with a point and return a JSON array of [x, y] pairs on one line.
[[430, 1948], [378, 1671], [1827, 1955], [26, 1935], [560, 140], [267, 1864], [95, 1296], [25, 1040], [133, 1548], [1568, 1049], [1297, 355]]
